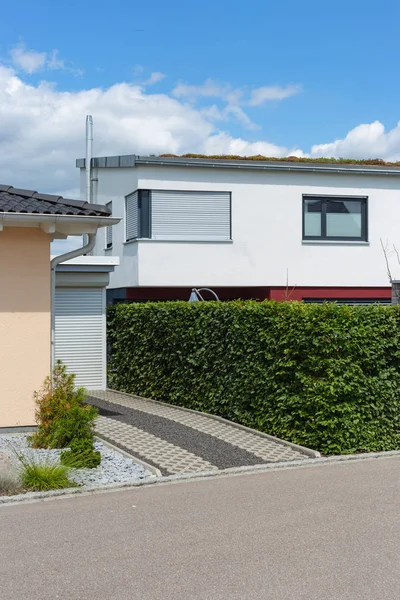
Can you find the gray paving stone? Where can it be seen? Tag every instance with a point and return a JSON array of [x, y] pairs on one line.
[[172, 458], [263, 448]]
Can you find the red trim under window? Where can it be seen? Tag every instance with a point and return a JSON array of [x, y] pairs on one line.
[[261, 293], [331, 293]]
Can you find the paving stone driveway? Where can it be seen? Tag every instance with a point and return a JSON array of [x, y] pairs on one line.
[[178, 441]]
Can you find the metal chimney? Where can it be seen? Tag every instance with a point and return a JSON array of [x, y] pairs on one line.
[[89, 143]]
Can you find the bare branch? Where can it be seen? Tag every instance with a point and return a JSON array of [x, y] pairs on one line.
[[397, 253], [386, 255], [288, 293]]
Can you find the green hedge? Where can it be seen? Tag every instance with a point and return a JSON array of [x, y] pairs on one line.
[[324, 376]]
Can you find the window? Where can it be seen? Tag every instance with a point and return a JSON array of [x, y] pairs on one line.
[[109, 230], [334, 218], [178, 215], [137, 215]]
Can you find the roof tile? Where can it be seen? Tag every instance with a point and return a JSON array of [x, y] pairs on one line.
[[27, 201], [19, 192]]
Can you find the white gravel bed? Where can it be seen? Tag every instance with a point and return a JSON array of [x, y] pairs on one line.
[[114, 467]]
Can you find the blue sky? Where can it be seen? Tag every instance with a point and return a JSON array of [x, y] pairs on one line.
[[221, 76]]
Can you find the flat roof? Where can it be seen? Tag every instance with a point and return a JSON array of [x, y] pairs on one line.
[[133, 160]]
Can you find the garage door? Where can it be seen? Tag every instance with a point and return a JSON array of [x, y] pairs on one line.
[[80, 334]]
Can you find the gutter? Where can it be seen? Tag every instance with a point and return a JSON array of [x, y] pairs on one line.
[[267, 166], [53, 266], [133, 160], [14, 217]]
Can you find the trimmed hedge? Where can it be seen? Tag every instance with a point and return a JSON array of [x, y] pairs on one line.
[[324, 376]]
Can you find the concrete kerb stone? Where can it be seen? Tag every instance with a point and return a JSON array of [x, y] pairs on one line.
[[303, 449], [156, 472], [234, 471]]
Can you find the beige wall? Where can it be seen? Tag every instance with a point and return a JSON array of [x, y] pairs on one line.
[[24, 321]]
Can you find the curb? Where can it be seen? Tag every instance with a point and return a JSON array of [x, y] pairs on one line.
[[18, 429], [156, 472], [198, 476], [302, 449]]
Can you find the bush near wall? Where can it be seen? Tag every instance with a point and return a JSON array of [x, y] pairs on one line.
[[324, 376]]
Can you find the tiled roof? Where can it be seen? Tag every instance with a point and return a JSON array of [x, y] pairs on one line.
[[14, 200]]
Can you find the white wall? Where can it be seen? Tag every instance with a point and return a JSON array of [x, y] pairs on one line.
[[113, 185], [266, 230]]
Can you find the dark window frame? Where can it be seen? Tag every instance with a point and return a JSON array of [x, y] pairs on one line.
[[144, 217], [324, 237]]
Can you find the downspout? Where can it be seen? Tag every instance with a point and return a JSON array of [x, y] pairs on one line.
[[53, 266]]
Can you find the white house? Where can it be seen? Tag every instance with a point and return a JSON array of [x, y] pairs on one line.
[[247, 228]]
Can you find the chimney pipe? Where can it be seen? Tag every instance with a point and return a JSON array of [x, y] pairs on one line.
[[89, 142]]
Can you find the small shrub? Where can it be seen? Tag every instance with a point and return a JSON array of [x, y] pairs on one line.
[[44, 476], [61, 412], [77, 423], [82, 455]]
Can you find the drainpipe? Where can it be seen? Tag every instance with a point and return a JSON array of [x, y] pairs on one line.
[[53, 266]]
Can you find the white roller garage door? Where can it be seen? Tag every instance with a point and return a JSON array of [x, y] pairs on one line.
[[80, 334]]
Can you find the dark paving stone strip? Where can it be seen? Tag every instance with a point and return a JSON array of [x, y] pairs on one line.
[[104, 412], [136, 454], [219, 453]]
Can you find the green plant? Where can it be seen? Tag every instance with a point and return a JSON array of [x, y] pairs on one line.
[[82, 455], [75, 423], [61, 412], [43, 476], [9, 482], [324, 376], [300, 159]]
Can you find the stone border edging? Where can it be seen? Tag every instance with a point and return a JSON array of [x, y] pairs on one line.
[[303, 449], [156, 472], [181, 478]]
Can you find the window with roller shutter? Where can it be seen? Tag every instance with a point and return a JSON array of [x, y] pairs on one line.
[[178, 215]]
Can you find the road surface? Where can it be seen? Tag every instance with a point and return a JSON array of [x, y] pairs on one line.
[[327, 532]]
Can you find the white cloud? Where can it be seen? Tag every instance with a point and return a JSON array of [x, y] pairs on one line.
[[27, 61], [240, 116], [30, 61], [275, 92], [154, 78], [42, 131], [208, 89], [369, 140], [223, 143], [55, 63], [235, 96]]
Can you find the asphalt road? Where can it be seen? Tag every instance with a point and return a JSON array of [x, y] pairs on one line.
[[321, 533]]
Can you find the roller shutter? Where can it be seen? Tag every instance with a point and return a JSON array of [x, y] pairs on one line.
[[80, 334], [187, 215], [132, 216]]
